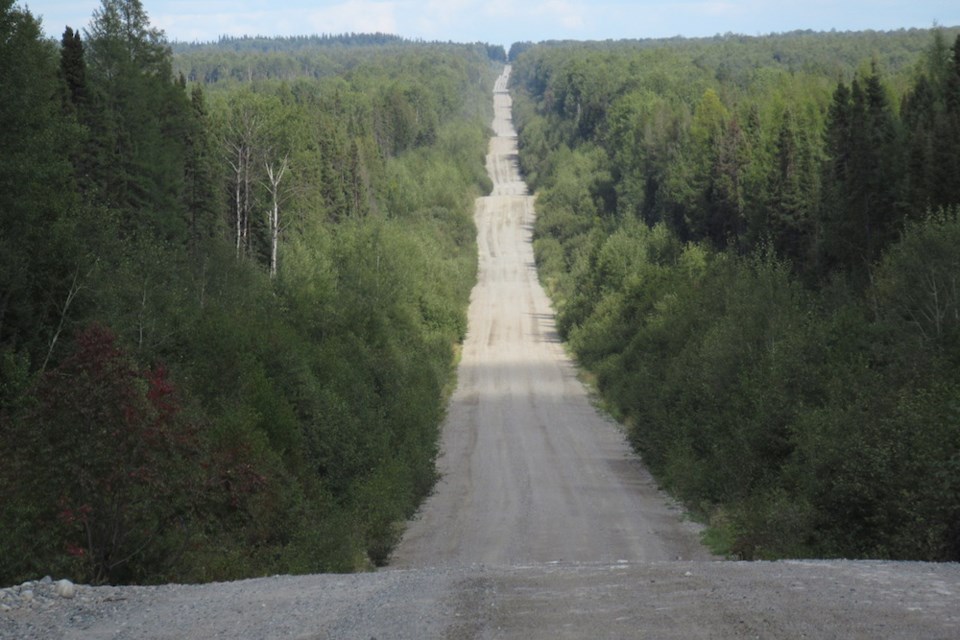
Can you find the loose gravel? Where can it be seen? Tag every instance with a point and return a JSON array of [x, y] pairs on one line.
[[662, 600]]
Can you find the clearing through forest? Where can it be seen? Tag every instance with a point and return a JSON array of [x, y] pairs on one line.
[[544, 525], [530, 472]]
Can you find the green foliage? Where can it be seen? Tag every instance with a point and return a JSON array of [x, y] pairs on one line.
[[39, 208], [307, 324], [752, 271], [106, 463], [916, 286]]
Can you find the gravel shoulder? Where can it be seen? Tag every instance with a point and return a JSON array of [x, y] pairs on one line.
[[553, 600]]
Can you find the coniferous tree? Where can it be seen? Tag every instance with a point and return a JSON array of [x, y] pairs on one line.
[[833, 225], [931, 119], [79, 103], [144, 113], [920, 122], [38, 259], [73, 69], [701, 213], [725, 197], [876, 194], [860, 212], [790, 215], [200, 195], [947, 158]]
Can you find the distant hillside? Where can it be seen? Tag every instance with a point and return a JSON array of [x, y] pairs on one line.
[[265, 44], [252, 58], [807, 50]]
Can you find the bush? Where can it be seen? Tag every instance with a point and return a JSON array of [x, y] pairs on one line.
[[106, 460]]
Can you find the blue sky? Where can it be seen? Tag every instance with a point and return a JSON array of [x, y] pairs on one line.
[[508, 21]]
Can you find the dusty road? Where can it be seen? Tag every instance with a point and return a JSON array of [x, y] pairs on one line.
[[544, 526], [529, 471]]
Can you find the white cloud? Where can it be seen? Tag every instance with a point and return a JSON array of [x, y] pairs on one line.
[[546, 15], [569, 15], [199, 22], [209, 26], [437, 19]]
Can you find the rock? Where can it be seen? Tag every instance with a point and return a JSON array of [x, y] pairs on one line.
[[65, 589], [26, 595], [46, 580]]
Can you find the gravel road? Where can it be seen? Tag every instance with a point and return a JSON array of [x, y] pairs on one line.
[[544, 525], [530, 472], [659, 600]]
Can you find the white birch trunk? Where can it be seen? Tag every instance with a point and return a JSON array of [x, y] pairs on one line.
[[274, 176]]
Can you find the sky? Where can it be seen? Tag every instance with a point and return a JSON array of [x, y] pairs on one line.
[[507, 21]]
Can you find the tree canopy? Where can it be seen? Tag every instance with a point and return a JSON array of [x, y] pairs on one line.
[[748, 243], [228, 309]]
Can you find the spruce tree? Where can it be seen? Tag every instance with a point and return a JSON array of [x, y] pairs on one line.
[[832, 218], [860, 213], [879, 193], [790, 223], [73, 69], [145, 116]]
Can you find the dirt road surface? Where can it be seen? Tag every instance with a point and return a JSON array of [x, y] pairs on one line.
[[543, 526], [530, 472]]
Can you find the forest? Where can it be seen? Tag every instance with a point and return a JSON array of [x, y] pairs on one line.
[[231, 294], [753, 246], [234, 275]]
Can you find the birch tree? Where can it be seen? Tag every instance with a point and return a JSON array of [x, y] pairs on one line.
[[239, 140], [275, 173], [257, 146]]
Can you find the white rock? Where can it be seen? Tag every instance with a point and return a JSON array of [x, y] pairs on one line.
[[64, 588], [26, 595]]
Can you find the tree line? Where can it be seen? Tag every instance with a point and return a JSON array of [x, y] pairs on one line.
[[248, 59], [228, 311], [752, 246]]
